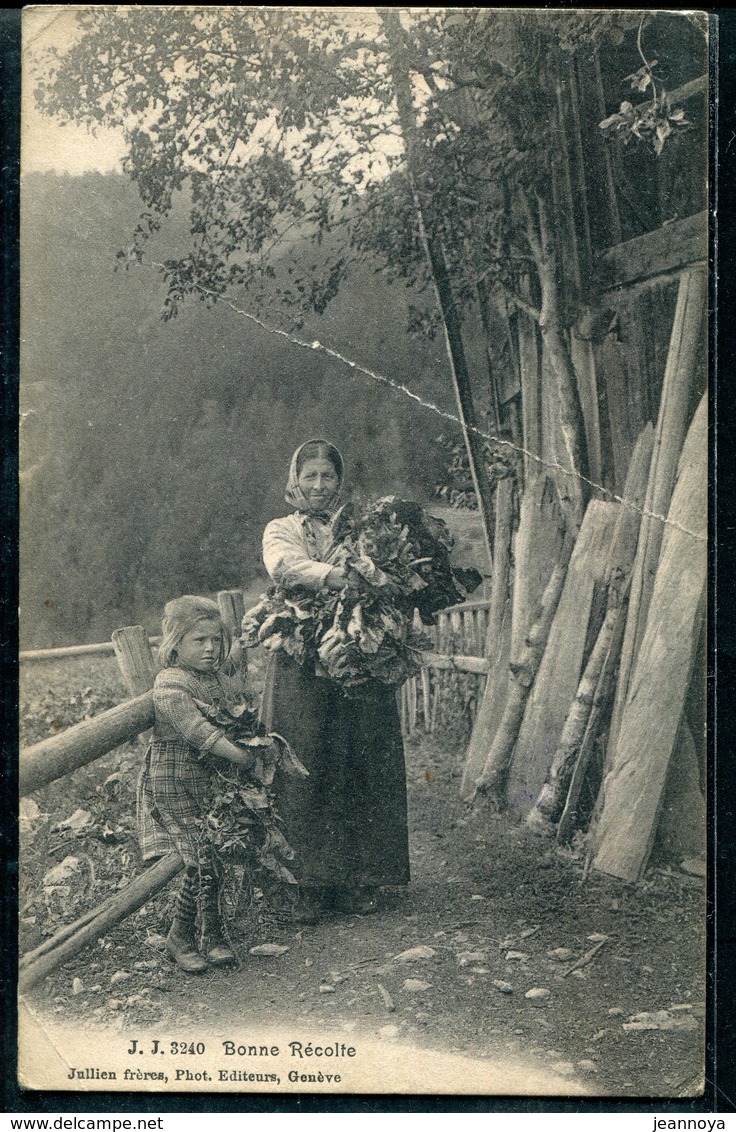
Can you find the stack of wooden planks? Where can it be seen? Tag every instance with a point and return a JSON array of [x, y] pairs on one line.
[[594, 650]]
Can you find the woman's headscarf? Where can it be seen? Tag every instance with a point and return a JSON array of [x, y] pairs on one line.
[[294, 494]]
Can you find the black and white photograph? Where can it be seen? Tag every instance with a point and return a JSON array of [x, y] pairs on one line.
[[364, 551]]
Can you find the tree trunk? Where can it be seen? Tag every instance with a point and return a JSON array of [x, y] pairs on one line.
[[530, 366], [472, 434], [502, 563], [571, 483], [538, 543]]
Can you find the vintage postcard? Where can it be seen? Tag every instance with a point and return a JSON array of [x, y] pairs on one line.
[[364, 550]]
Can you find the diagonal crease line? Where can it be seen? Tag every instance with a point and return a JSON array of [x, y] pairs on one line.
[[37, 1019], [398, 387]]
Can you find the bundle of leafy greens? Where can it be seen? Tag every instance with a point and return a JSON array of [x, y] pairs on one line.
[[397, 559], [241, 821]]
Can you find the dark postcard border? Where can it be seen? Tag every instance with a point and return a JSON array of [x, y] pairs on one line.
[[720, 1092]]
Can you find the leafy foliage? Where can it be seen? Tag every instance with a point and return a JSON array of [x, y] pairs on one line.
[[50, 712], [456, 486], [242, 822], [241, 108], [398, 560], [281, 123]]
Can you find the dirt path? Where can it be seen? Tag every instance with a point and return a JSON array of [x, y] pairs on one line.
[[482, 889]]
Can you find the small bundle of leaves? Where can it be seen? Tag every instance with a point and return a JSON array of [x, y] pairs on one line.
[[242, 822], [397, 557], [652, 122]]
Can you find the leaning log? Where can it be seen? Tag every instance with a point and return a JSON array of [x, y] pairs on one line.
[[493, 777], [497, 643], [61, 754], [115, 909], [549, 805], [575, 732], [632, 789], [492, 704], [626, 536], [537, 548], [572, 632], [686, 342], [601, 706]]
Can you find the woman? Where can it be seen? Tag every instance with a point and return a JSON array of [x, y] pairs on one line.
[[348, 820]]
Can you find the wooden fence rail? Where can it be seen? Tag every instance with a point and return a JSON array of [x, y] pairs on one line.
[[85, 742], [460, 635], [61, 754], [104, 648], [37, 964]]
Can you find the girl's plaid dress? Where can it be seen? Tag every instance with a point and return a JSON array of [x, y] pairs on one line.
[[172, 788]]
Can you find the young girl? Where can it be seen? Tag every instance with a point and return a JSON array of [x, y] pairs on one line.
[[173, 788]]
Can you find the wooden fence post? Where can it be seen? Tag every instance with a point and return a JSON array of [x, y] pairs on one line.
[[135, 659], [232, 608]]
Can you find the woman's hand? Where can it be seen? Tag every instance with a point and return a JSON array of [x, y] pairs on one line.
[[341, 576], [227, 750], [337, 578]]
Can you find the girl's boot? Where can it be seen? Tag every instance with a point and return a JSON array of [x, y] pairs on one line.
[[181, 941], [214, 942], [309, 905]]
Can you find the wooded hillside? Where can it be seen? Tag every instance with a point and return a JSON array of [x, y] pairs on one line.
[[154, 452]]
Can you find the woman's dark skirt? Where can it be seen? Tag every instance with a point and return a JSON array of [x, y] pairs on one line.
[[348, 819]]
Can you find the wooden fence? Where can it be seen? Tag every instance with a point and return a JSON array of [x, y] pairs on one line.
[[453, 677], [459, 639]]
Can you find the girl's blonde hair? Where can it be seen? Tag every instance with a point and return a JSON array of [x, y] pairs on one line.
[[181, 615]]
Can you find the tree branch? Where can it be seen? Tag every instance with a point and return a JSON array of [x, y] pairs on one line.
[[522, 304], [532, 233]]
